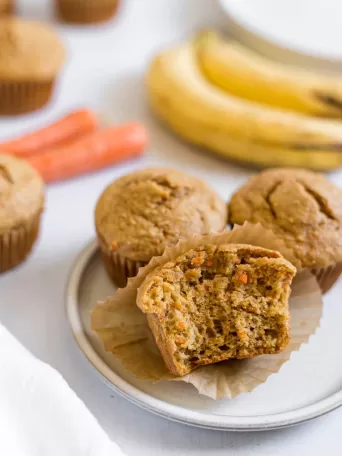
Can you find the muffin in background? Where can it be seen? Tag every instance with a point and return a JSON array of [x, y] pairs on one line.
[[304, 209], [141, 213], [21, 205], [31, 57], [7, 6], [86, 11]]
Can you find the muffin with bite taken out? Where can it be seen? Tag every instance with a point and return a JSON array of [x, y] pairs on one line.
[[215, 303]]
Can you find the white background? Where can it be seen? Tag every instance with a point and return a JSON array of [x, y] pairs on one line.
[[105, 71]]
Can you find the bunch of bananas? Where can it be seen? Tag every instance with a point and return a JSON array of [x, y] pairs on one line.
[[219, 95]]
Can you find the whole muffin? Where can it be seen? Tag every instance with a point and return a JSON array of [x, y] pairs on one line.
[[141, 213], [21, 205], [86, 11], [304, 209], [31, 56]]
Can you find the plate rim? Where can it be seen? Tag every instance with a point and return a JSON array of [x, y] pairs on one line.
[[163, 408], [264, 43]]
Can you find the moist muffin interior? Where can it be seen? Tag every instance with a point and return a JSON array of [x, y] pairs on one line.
[[221, 302]]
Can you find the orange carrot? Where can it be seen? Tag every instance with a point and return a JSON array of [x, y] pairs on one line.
[[68, 128], [92, 152]]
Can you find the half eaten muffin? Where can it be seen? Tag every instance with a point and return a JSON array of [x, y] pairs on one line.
[[215, 303]]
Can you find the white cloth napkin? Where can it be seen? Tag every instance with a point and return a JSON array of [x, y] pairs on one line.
[[39, 414]]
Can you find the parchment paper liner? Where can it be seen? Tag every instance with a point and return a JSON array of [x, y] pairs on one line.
[[118, 267], [24, 96], [327, 277], [86, 11], [16, 245], [123, 328]]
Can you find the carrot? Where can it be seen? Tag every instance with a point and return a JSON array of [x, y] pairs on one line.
[[243, 277], [92, 152], [68, 128]]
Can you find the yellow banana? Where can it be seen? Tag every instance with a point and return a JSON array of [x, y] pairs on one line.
[[238, 129], [245, 74]]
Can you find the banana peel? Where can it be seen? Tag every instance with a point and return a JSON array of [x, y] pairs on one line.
[[243, 73], [235, 128]]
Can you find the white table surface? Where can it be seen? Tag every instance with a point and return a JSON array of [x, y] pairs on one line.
[[105, 72]]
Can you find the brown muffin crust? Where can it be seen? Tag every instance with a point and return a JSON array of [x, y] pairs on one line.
[[218, 302], [141, 213], [30, 51], [302, 207], [21, 194]]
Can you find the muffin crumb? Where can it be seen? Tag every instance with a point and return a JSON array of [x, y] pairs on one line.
[[208, 314]]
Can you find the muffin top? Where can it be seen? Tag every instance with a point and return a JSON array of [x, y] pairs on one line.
[[140, 213], [29, 50], [302, 207], [21, 193]]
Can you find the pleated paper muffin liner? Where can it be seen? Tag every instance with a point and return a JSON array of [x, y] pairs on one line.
[[327, 277], [16, 244], [124, 331], [86, 11], [23, 97], [120, 268]]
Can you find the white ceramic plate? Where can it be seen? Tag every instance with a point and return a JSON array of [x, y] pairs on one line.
[[309, 385], [303, 32]]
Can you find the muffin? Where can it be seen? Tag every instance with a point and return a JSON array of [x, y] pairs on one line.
[[215, 303], [301, 207], [141, 213], [7, 6], [86, 11], [31, 56], [21, 205]]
